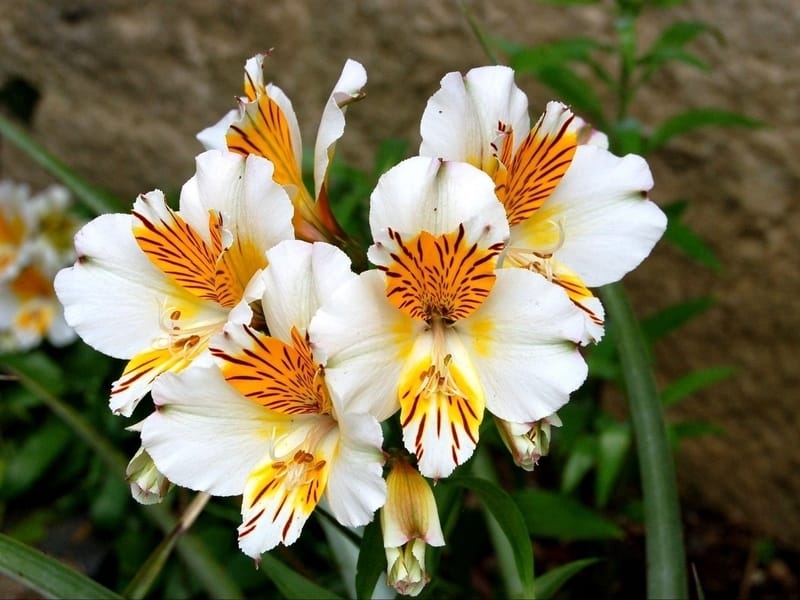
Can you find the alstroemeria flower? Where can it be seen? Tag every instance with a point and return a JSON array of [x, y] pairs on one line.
[[29, 309], [437, 330], [17, 226], [579, 215], [266, 125], [265, 424], [35, 242], [154, 286], [527, 442], [147, 484], [410, 523]]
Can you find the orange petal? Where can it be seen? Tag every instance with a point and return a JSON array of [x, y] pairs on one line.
[[264, 131], [536, 168], [179, 251], [281, 377]]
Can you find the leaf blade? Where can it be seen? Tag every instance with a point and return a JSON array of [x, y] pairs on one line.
[[508, 516], [44, 574]]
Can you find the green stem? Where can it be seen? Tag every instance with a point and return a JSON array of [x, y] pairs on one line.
[[666, 561], [141, 583], [477, 32]]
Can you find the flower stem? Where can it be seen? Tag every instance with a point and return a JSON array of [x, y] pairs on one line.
[[141, 583], [666, 562]]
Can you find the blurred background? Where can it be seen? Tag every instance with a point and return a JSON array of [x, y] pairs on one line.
[[118, 89]]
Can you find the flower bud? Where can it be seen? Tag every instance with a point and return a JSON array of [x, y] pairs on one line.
[[410, 522], [148, 485], [527, 442]]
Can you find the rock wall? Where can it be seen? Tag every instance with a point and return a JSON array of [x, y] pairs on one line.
[[124, 87]]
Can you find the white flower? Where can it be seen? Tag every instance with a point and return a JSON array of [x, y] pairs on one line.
[[265, 424], [266, 125], [35, 241], [154, 286], [578, 214], [437, 331]]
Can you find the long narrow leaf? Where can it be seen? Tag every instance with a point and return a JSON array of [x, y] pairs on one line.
[[553, 515], [548, 584], [46, 575], [190, 549], [694, 382], [290, 583], [673, 317], [694, 119], [97, 200], [508, 516], [666, 560], [371, 560]]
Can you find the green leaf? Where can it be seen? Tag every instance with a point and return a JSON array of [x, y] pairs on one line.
[[572, 89], [673, 317], [548, 584], [692, 245], [45, 575], [665, 554], [694, 119], [554, 515], [532, 58], [38, 366], [40, 450], [681, 33], [613, 444], [670, 46], [371, 560], [582, 458], [290, 583], [508, 516], [97, 200], [625, 137], [694, 382], [690, 429], [390, 152]]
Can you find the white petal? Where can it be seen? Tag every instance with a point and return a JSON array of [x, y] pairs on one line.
[[356, 488], [203, 435], [213, 137], [256, 209], [361, 339], [299, 278], [426, 194], [609, 225], [114, 296], [461, 119], [331, 126], [523, 346]]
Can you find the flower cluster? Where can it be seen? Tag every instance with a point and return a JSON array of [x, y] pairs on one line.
[[35, 242], [272, 366]]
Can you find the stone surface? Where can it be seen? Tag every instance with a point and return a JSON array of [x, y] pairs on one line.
[[125, 86]]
